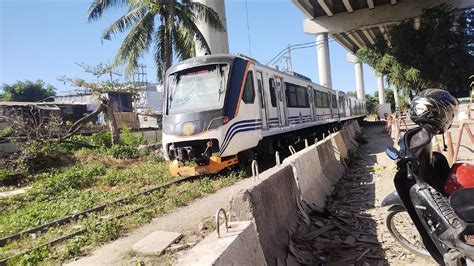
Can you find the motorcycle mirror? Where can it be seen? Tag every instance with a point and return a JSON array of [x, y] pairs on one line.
[[392, 153]]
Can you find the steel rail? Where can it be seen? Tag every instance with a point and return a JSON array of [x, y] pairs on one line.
[[69, 218], [118, 216]]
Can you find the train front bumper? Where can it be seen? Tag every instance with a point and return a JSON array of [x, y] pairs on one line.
[[216, 164]]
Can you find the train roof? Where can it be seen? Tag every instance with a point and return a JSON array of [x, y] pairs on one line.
[[229, 58]]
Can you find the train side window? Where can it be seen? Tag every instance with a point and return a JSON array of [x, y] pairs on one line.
[[296, 96], [319, 99], [271, 81], [248, 95], [302, 94], [325, 100], [334, 101], [291, 98]]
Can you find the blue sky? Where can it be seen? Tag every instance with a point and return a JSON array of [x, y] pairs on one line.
[[43, 39]]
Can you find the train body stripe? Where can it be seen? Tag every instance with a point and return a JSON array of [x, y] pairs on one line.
[[243, 122], [237, 126], [243, 129]]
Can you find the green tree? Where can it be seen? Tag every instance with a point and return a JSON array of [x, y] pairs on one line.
[[103, 91], [389, 98], [352, 94], [372, 104], [439, 53], [173, 36], [27, 91]]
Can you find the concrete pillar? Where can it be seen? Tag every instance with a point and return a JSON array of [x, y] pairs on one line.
[[380, 89], [324, 64], [359, 76], [217, 40], [395, 96]]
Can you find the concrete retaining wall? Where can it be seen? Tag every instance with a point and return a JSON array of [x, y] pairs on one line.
[[313, 184], [339, 146], [240, 244], [332, 169], [283, 195], [272, 205]]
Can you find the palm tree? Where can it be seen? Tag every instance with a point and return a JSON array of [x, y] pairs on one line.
[[168, 25]]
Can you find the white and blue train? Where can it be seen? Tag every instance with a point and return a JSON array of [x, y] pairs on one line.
[[220, 110]]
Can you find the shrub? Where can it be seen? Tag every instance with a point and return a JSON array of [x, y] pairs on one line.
[[36, 156], [4, 174], [76, 177], [113, 177], [123, 152], [130, 139], [102, 139]]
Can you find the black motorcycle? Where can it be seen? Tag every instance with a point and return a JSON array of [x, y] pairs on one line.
[[444, 225]]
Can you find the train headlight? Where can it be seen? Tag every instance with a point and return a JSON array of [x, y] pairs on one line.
[[188, 129], [217, 122]]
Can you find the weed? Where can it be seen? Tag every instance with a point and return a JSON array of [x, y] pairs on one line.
[[123, 152], [129, 139], [352, 157], [4, 174], [112, 178], [102, 139], [77, 177], [104, 232], [73, 248], [34, 257]]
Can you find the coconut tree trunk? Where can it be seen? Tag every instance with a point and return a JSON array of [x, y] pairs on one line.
[[111, 121], [168, 20]]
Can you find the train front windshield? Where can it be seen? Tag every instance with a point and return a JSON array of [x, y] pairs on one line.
[[197, 89]]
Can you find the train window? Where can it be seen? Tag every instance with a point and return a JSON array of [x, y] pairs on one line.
[[296, 96], [318, 99], [334, 101], [248, 95], [326, 100], [271, 81]]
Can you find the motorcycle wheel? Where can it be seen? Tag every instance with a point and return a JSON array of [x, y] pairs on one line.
[[401, 228]]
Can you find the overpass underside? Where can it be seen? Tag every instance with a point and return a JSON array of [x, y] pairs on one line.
[[357, 23]]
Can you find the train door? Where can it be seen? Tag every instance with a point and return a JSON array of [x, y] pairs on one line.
[[272, 103], [263, 102], [312, 106], [282, 111]]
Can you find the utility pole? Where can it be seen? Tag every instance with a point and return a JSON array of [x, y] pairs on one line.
[[287, 58]]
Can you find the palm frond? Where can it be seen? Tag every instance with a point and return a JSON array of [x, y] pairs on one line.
[[160, 41], [189, 23], [202, 11], [136, 43], [97, 8], [125, 22], [183, 42]]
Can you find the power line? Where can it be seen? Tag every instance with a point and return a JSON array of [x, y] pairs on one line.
[[248, 26]]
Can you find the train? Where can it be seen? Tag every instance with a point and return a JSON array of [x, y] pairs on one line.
[[220, 111]]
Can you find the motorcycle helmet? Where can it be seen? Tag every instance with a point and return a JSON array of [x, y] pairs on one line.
[[435, 107]]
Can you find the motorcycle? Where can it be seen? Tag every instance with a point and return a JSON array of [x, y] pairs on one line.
[[439, 201]]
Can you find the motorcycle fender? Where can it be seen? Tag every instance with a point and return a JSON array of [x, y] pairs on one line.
[[392, 199]]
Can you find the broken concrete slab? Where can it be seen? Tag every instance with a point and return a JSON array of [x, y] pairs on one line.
[[238, 246], [155, 243]]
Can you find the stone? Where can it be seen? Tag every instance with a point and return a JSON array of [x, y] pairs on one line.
[[155, 243]]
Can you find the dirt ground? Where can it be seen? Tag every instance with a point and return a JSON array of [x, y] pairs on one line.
[[382, 184]]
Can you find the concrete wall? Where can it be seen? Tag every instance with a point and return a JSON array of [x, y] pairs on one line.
[[283, 195], [312, 183], [272, 206], [239, 244]]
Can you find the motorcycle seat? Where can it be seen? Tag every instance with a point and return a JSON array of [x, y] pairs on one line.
[[462, 201]]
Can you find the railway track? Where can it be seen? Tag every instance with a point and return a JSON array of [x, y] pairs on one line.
[[69, 218]]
